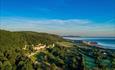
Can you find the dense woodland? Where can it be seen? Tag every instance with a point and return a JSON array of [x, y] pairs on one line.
[[12, 56]]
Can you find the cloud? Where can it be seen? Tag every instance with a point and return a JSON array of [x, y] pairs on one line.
[[59, 26], [23, 22]]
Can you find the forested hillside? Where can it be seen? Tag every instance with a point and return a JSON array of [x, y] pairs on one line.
[[58, 53], [11, 44]]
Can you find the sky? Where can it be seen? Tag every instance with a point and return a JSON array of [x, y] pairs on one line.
[[62, 17]]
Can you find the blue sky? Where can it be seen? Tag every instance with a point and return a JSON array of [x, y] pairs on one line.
[[65, 17]]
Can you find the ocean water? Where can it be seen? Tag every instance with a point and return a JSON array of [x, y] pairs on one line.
[[104, 42]]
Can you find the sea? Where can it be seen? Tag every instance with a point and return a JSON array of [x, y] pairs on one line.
[[105, 42]]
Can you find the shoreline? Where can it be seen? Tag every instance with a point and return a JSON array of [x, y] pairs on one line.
[[88, 45], [107, 44]]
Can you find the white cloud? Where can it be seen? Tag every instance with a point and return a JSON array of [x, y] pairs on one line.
[[39, 24], [10, 20], [59, 26]]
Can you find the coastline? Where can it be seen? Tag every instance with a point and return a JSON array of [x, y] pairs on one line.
[[107, 43]]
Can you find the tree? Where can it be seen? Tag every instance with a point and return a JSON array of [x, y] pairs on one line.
[[6, 66], [53, 67], [113, 61], [27, 66]]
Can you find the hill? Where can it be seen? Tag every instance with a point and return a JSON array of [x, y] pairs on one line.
[[19, 39], [27, 50], [12, 44]]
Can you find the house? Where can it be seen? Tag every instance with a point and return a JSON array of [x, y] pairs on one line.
[[39, 46]]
